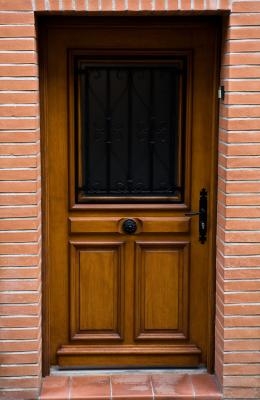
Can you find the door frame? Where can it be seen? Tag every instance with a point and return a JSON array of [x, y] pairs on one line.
[[42, 23]]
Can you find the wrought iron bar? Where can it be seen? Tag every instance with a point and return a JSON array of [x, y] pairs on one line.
[[108, 129], [130, 133], [151, 131]]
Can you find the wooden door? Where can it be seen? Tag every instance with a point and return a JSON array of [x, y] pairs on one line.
[[128, 115]]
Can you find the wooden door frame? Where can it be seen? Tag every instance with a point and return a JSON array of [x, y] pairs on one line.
[[73, 21]]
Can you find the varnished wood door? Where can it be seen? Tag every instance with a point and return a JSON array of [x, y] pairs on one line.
[[114, 298]]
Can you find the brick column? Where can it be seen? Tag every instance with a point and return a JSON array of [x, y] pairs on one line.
[[20, 210], [238, 250]]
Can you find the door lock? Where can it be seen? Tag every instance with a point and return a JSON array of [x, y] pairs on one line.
[[202, 213]]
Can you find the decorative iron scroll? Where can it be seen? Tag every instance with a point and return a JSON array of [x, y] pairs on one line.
[[130, 130]]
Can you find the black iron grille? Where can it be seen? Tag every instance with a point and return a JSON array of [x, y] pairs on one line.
[[130, 129]]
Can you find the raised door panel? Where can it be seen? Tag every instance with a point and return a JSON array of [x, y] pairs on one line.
[[161, 290], [96, 290]]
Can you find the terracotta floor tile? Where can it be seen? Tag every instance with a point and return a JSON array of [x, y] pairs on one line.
[[131, 386], [205, 387], [55, 387], [90, 387], [173, 386]]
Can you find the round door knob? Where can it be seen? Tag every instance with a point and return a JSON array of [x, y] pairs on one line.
[[129, 226]]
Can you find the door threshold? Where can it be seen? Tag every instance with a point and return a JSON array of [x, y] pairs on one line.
[[155, 384], [61, 371]]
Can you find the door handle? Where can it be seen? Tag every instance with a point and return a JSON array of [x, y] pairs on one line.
[[203, 215]]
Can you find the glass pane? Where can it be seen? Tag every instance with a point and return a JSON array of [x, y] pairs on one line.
[[130, 141]]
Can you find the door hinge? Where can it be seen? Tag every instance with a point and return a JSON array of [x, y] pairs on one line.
[[221, 93]]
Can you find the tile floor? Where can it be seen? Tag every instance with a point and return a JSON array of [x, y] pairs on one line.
[[163, 386]]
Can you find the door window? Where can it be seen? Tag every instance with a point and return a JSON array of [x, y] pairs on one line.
[[130, 131]]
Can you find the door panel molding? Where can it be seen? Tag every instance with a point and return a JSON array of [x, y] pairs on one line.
[[105, 289], [161, 290]]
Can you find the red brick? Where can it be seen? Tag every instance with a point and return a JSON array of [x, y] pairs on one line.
[[18, 70], [22, 345], [39, 5], [54, 5], [211, 5], [243, 212], [242, 273], [242, 111], [241, 357], [185, 5], [243, 200], [243, 85], [246, 310], [241, 59], [238, 285], [146, 5], [80, 5], [25, 394], [18, 123], [18, 224], [239, 249], [240, 174], [173, 5], [242, 98], [16, 18], [238, 162], [250, 32], [14, 44], [245, 321], [19, 358], [241, 370], [19, 249], [23, 382], [18, 334], [18, 149], [21, 310], [19, 298], [18, 174], [15, 5], [242, 381], [246, 6], [19, 370], [19, 322], [19, 111], [239, 46], [242, 333], [238, 136], [20, 261], [19, 136], [245, 19], [234, 309], [18, 58], [242, 72], [224, 4], [20, 272], [17, 284], [17, 187], [243, 149], [17, 31], [160, 5], [120, 5], [106, 5], [18, 199], [198, 4], [66, 4], [13, 212], [93, 5], [242, 393], [16, 98], [133, 5]]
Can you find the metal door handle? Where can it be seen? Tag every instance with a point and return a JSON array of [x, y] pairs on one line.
[[129, 226], [203, 217]]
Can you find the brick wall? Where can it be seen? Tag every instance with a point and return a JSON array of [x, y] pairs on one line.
[[238, 250]]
